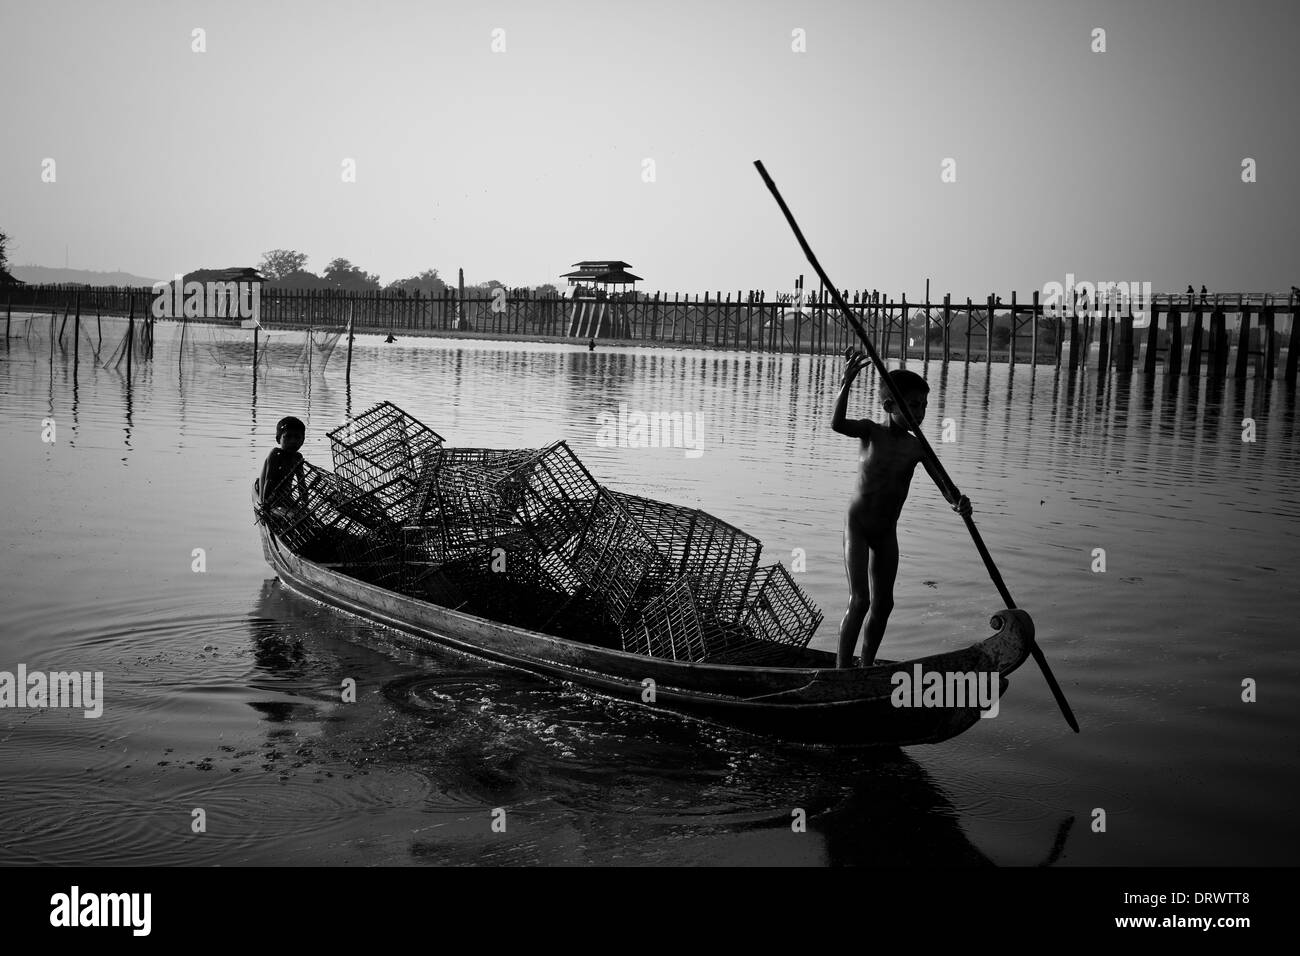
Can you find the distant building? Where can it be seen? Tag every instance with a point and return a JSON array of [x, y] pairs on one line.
[[601, 288], [599, 277], [226, 290], [244, 274]]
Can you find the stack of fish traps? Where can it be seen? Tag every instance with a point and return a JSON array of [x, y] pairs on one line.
[[528, 537]]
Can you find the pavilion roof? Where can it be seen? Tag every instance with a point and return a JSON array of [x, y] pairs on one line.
[[602, 271]]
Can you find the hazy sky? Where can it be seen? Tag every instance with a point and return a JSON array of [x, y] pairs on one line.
[[1123, 165]]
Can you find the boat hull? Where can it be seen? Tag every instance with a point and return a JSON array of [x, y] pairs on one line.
[[808, 705]]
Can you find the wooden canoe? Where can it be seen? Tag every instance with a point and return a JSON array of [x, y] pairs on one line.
[[813, 703]]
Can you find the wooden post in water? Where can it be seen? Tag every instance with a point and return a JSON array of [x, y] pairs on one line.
[[719, 319], [1103, 340], [1174, 358], [1243, 340], [130, 340], [947, 326], [988, 331], [702, 330], [729, 315], [970, 321], [815, 332], [817, 340], [779, 328], [1011, 357], [904, 342], [1269, 346], [1059, 321], [735, 335], [927, 321], [1153, 338], [1033, 332], [881, 327], [891, 322], [887, 326], [1194, 361], [1074, 333], [749, 321], [1293, 342], [1125, 358], [9, 316], [76, 339], [347, 375], [1218, 340]]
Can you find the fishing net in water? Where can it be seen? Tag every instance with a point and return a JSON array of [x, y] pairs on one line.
[[528, 537], [134, 341], [104, 340], [38, 332], [228, 344]]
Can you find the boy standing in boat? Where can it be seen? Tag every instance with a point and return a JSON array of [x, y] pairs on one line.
[[888, 456]]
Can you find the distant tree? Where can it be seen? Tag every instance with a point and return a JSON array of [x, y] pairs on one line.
[[279, 263], [300, 280], [5, 277], [482, 290], [545, 289], [427, 283], [1001, 336], [342, 274]]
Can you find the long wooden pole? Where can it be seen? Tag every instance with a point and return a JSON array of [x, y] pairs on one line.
[[130, 340], [348, 375], [940, 474]]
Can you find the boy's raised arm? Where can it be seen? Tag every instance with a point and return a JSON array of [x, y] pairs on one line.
[[856, 428]]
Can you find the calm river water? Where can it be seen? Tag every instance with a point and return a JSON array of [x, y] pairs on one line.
[[222, 688]]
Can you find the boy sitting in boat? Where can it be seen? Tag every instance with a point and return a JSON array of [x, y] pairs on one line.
[[285, 460], [887, 458]]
